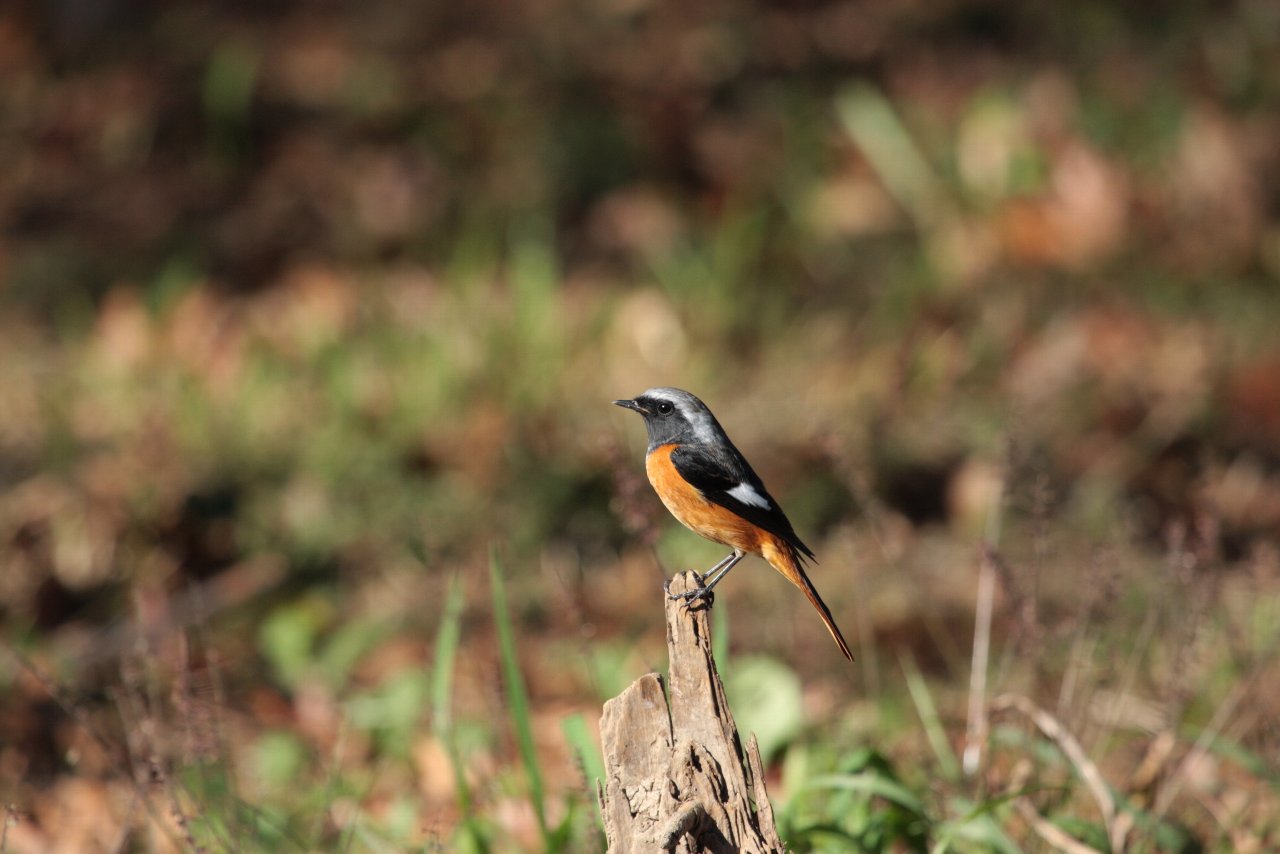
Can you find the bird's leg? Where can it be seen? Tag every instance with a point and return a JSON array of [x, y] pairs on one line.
[[723, 568], [712, 577]]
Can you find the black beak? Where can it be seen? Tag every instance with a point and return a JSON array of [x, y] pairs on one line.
[[631, 404]]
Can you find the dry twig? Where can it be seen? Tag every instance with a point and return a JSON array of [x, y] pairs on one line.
[[1117, 831]]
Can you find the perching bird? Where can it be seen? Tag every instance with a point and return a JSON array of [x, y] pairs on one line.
[[710, 488]]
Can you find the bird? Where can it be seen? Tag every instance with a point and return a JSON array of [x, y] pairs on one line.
[[711, 489]]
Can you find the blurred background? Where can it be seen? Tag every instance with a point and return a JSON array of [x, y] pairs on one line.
[[318, 531]]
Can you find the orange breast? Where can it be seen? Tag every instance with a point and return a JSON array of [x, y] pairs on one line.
[[695, 512]]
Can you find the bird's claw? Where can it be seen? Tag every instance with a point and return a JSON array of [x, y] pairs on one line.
[[690, 595]]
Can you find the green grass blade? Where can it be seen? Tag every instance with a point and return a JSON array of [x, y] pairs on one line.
[[869, 783], [578, 735], [447, 638], [1254, 763], [875, 126], [516, 693], [928, 713]]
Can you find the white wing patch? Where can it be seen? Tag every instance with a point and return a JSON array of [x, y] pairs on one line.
[[747, 494]]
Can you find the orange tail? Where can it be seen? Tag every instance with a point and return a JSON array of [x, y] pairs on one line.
[[782, 557]]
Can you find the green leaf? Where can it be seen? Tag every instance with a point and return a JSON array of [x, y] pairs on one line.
[[977, 827], [278, 758], [871, 784], [393, 710], [1090, 833], [348, 644], [766, 698], [287, 639]]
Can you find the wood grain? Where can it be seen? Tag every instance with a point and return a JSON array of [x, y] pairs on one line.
[[679, 778]]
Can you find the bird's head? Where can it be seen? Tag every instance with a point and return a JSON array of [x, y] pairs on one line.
[[672, 415]]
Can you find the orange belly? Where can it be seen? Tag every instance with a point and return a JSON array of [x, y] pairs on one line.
[[695, 512]]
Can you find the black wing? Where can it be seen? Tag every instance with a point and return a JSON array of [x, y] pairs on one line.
[[717, 471]]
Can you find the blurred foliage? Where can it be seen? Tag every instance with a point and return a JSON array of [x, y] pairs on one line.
[[309, 308]]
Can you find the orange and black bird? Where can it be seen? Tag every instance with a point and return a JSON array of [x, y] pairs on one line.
[[709, 486]]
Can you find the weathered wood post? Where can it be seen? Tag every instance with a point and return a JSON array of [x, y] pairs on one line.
[[679, 779]]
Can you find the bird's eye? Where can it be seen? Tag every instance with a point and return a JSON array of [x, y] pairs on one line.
[[665, 408]]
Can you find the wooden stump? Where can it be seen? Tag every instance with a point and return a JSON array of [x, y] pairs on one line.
[[678, 779]]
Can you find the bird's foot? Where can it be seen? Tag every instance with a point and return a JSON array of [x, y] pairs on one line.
[[690, 595]]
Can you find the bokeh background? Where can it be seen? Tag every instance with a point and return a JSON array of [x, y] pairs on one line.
[[318, 531]]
